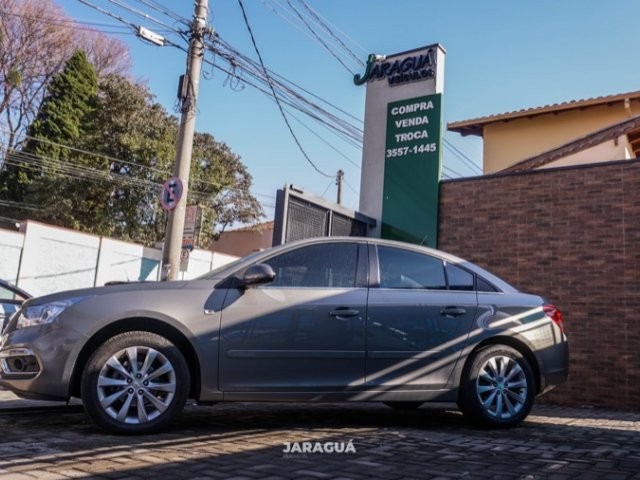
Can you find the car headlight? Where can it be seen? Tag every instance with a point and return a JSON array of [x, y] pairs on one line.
[[45, 313]]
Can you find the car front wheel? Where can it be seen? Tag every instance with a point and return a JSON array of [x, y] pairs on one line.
[[499, 387], [135, 383]]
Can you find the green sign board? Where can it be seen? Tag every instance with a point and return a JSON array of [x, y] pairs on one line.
[[412, 167]]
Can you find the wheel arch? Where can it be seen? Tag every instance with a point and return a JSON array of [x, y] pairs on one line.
[[146, 324], [519, 345]]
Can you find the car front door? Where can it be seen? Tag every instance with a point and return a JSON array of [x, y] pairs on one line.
[[302, 331], [418, 321]]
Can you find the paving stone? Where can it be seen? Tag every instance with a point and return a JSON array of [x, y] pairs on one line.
[[246, 442]]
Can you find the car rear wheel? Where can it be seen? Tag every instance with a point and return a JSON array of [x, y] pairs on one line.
[[135, 383], [498, 388]]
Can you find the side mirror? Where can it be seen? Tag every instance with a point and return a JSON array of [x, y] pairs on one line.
[[258, 274]]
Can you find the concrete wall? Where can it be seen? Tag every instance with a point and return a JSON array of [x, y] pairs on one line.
[[573, 236], [508, 142], [42, 259]]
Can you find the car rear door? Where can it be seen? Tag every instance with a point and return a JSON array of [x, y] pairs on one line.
[[418, 320], [303, 331]]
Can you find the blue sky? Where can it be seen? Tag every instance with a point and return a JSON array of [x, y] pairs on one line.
[[501, 56]]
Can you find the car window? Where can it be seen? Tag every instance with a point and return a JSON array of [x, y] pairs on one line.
[[325, 265], [9, 294], [459, 278], [405, 269]]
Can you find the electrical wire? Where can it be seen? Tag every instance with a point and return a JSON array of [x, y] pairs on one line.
[[470, 163], [88, 171], [317, 37], [324, 24], [169, 13], [287, 94], [64, 23], [131, 25], [346, 131], [351, 188], [328, 187], [144, 15], [284, 116]]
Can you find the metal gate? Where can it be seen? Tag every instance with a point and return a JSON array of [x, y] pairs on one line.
[[300, 215]]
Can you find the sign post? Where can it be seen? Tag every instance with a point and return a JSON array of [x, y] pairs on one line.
[[402, 151]]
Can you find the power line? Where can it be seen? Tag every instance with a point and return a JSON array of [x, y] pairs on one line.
[[288, 95], [328, 29], [350, 187], [112, 15], [65, 23], [326, 142], [135, 28], [284, 116], [84, 170], [144, 15], [328, 187], [470, 163], [322, 42], [169, 13]]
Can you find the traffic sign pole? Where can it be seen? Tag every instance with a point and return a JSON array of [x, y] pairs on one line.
[[175, 224]]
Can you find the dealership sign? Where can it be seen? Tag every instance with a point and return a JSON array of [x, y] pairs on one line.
[[396, 72], [402, 160]]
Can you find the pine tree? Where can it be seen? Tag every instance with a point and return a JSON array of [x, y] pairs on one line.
[[39, 173]]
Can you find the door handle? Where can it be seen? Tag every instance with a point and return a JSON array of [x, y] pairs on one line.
[[453, 311], [344, 313]]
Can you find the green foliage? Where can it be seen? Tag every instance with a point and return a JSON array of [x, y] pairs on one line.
[[33, 176], [114, 190]]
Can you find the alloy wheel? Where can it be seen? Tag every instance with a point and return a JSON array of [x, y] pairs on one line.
[[136, 385], [501, 387]]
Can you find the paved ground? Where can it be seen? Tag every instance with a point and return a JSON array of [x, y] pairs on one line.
[[247, 441]]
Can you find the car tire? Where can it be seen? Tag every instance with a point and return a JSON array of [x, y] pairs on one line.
[[130, 397], [498, 387], [404, 405]]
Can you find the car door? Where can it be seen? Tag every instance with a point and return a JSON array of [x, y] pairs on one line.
[[302, 331], [417, 325]]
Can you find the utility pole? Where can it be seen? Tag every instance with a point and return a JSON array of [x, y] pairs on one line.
[[189, 83], [339, 179]]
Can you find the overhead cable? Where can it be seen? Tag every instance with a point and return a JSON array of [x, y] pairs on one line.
[[284, 116]]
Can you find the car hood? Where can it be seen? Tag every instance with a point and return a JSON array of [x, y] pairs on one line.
[[106, 290]]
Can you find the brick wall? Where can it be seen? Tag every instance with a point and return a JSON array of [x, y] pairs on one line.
[[573, 236]]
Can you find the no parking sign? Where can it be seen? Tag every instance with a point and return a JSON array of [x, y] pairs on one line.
[[171, 193]]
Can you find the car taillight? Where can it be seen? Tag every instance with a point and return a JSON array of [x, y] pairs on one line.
[[554, 314]]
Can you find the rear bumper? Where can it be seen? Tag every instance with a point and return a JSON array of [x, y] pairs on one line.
[[554, 365]]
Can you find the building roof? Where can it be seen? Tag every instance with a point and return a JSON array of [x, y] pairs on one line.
[[254, 227], [475, 126], [629, 127]]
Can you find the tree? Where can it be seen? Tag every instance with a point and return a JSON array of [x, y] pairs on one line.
[[39, 174], [220, 183], [36, 39], [139, 138]]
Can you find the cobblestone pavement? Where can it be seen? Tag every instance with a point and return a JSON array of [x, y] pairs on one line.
[[246, 441]]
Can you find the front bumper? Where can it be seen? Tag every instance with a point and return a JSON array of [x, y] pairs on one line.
[[35, 362]]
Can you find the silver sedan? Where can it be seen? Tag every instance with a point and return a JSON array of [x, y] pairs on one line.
[[328, 319]]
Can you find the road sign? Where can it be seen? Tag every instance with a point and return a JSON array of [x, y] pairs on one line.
[[188, 242], [184, 259], [171, 193]]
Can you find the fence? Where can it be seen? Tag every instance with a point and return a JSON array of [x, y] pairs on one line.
[[42, 259]]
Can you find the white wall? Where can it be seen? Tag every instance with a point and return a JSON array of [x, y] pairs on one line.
[[43, 259], [10, 250], [618, 149]]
